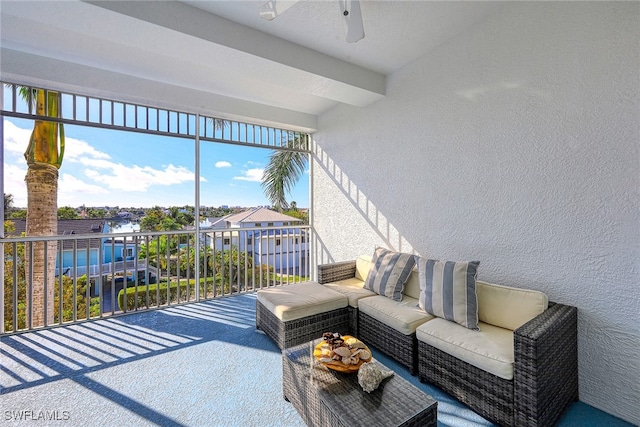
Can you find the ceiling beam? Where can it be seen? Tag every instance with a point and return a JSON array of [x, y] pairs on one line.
[[29, 69], [281, 62]]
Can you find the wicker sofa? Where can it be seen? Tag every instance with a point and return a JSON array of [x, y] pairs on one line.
[[374, 318], [531, 386]]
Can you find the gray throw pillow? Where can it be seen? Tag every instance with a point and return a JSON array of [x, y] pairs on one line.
[[448, 290], [388, 273]]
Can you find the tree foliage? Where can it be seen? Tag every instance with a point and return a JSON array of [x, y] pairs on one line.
[[67, 212], [283, 171], [302, 215], [18, 214], [72, 293], [156, 219], [8, 202]]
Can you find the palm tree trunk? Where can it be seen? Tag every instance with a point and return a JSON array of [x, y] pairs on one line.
[[42, 191]]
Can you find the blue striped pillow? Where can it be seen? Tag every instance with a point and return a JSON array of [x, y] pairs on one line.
[[388, 273], [448, 290]]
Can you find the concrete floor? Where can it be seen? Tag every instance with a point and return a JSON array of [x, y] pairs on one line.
[[199, 364]]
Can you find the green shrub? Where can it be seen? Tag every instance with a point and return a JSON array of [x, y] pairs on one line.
[[139, 294]]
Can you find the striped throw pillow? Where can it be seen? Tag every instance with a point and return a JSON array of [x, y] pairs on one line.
[[388, 273], [448, 290]]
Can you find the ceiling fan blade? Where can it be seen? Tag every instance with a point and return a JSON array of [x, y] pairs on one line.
[[271, 9], [353, 19]]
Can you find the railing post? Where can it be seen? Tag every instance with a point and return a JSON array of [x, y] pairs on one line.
[[197, 208], [2, 214]]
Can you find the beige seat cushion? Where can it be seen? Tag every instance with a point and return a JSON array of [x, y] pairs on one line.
[[301, 300], [508, 307], [490, 349], [352, 288], [404, 316]]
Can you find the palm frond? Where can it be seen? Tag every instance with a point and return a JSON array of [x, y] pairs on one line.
[[283, 172]]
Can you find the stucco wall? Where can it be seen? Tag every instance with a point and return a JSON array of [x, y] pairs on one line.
[[515, 143]]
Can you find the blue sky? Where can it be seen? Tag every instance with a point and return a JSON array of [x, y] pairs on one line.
[[115, 168]]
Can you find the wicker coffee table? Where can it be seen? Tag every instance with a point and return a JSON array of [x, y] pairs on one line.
[[327, 398]]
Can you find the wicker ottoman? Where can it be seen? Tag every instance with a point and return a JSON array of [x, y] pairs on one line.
[[298, 313]]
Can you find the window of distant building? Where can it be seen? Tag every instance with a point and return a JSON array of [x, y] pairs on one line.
[[226, 241], [277, 242]]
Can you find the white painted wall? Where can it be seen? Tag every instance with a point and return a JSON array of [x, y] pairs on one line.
[[515, 143]]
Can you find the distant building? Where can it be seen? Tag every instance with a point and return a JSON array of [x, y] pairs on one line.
[[86, 250], [262, 233], [90, 253]]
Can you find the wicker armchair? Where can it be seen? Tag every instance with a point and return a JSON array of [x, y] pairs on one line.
[[545, 373]]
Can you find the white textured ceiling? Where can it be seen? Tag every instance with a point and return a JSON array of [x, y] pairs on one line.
[[220, 57]]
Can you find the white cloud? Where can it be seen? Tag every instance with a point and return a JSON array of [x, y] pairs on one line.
[[251, 175], [117, 176], [76, 150], [70, 184], [223, 164], [15, 138], [75, 192], [94, 164], [14, 183]]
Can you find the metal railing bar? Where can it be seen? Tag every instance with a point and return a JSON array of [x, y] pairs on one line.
[[214, 268], [74, 285], [159, 269], [114, 126], [188, 293], [88, 283], [168, 271], [45, 294], [246, 263], [100, 285], [14, 101], [15, 286], [252, 253], [29, 314], [113, 280], [60, 284]]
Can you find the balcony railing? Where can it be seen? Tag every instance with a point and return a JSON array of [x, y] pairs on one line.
[[57, 280]]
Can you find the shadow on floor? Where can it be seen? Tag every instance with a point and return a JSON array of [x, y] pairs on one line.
[[198, 364]]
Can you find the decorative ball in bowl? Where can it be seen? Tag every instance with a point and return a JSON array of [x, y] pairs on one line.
[[342, 353]]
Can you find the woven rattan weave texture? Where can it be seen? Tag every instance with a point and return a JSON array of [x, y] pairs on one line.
[[397, 345], [327, 398], [329, 273], [545, 373], [287, 334]]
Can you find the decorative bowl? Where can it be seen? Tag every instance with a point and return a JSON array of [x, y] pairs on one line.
[[337, 365]]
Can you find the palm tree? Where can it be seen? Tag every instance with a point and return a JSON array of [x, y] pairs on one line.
[[44, 157], [284, 170], [8, 203]]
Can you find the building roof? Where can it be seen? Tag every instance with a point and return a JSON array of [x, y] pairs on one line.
[[68, 227], [260, 214]]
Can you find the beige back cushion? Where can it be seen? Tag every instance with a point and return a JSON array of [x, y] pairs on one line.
[[412, 287], [508, 307], [363, 264]]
